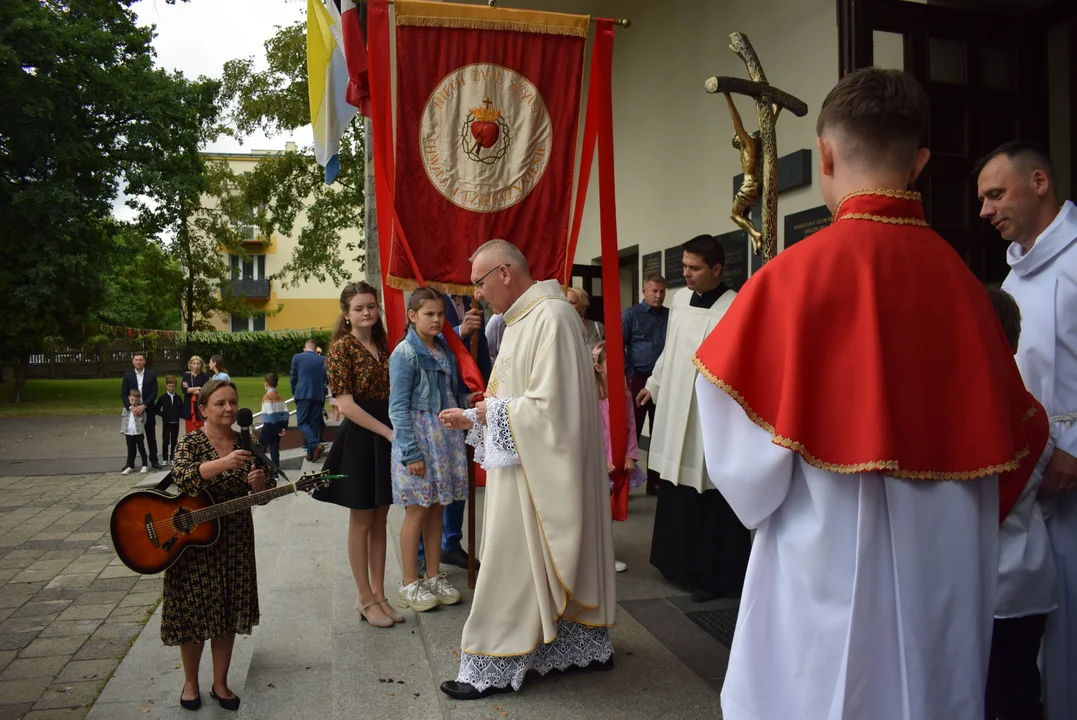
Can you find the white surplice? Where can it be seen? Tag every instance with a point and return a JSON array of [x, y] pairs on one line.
[[546, 595], [860, 601], [676, 449], [1044, 283]]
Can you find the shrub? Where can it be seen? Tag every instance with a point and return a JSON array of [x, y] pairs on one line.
[[254, 353]]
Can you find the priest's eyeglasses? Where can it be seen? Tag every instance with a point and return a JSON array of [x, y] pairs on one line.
[[478, 283]]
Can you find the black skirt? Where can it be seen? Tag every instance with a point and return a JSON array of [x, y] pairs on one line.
[[699, 541], [365, 459]]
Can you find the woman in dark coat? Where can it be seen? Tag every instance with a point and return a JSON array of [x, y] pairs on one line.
[[211, 593]]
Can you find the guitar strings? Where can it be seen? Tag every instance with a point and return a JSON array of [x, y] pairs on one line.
[[202, 515]]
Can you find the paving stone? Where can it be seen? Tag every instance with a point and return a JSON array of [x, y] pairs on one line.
[[23, 691], [66, 553], [44, 647], [81, 580], [132, 614], [24, 668], [84, 536], [33, 623], [70, 695], [57, 714], [118, 631], [87, 612], [53, 535], [16, 641], [81, 670], [113, 584], [40, 608], [103, 649], [15, 712], [70, 628], [6, 657], [8, 573], [31, 576], [90, 564], [13, 597], [140, 598], [115, 572], [100, 598]]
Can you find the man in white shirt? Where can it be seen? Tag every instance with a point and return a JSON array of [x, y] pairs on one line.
[[1016, 186]]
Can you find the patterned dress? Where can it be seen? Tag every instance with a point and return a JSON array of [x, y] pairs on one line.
[[213, 591], [444, 454], [364, 457]]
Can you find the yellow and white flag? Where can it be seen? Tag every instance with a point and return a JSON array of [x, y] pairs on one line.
[[327, 78]]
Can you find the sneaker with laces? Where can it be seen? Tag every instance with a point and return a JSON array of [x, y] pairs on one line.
[[127, 470], [416, 596], [144, 469], [443, 590]]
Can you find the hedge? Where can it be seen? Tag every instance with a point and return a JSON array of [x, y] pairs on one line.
[[254, 353]]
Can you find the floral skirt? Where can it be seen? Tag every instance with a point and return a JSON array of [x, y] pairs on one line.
[[446, 465]]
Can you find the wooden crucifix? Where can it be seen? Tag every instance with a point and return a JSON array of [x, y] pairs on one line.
[[769, 101]]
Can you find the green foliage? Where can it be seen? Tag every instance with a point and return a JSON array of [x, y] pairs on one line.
[[141, 285], [253, 353], [276, 100]]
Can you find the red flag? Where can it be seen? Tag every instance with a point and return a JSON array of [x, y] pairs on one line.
[[487, 114], [358, 93]]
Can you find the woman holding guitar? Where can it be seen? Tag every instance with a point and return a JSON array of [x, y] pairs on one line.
[[212, 592]]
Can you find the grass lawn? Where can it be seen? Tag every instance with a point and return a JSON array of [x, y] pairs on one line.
[[43, 398]]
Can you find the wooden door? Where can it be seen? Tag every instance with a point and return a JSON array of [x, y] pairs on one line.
[[589, 277], [986, 76]]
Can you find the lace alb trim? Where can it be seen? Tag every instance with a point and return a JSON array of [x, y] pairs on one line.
[[494, 446], [576, 645]]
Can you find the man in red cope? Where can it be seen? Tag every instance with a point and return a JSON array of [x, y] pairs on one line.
[[861, 409]]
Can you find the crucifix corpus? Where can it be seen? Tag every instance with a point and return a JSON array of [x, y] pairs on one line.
[[769, 101]]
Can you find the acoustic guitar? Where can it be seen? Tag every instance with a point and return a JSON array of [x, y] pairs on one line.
[[151, 528]]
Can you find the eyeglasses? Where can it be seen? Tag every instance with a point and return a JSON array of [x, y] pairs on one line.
[[478, 283]]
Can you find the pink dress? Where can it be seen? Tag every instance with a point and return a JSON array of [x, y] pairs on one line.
[[637, 477]]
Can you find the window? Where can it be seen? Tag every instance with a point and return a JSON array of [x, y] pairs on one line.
[[255, 323], [252, 267]]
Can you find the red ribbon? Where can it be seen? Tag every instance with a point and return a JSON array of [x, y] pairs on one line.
[[598, 130]]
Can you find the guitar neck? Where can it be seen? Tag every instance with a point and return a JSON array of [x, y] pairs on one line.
[[233, 506]]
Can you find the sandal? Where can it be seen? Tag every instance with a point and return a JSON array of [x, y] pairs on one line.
[[386, 623], [393, 614]]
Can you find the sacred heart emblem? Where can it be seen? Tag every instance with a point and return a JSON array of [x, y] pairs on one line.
[[484, 127], [486, 137]]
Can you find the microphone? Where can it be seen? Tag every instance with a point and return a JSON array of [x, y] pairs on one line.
[[244, 418]]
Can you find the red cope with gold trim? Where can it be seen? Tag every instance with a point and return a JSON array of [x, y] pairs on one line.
[[871, 347]]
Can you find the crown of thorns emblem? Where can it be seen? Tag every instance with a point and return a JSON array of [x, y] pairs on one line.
[[485, 135]]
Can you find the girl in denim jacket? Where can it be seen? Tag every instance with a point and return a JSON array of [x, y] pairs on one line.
[[429, 461]]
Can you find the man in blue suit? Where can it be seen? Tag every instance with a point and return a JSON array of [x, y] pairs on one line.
[[464, 321], [309, 378]]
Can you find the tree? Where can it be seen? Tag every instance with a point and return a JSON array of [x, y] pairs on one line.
[[276, 100], [141, 285], [83, 106]]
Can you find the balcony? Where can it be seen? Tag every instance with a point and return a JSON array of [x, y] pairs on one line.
[[251, 235], [249, 288]]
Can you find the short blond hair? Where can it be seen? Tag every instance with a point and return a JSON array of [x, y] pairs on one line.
[[200, 362], [585, 299]]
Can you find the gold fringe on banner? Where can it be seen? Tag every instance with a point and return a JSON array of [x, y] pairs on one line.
[[420, 13], [407, 285]]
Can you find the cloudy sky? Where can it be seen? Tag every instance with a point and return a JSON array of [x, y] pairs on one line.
[[198, 37]]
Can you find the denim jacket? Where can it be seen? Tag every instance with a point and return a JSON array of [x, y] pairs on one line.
[[417, 382]]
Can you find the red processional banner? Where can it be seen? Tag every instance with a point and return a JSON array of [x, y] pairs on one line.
[[488, 104]]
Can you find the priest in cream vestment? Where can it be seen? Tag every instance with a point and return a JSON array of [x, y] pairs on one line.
[[698, 540], [546, 595]]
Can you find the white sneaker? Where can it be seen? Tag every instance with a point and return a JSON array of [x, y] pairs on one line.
[[145, 469], [126, 471], [416, 596], [442, 590], [619, 566]]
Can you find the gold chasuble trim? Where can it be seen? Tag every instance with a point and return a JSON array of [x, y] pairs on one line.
[[419, 13], [410, 284], [886, 467]]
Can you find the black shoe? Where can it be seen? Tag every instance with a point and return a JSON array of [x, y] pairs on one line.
[[226, 703], [595, 666], [465, 691], [156, 466], [456, 558], [193, 704], [702, 596]]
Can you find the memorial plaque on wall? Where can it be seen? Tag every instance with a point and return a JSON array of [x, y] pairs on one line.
[[675, 267], [652, 265], [807, 222], [735, 270]]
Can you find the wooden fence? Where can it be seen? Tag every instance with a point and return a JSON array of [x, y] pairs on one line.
[[109, 358]]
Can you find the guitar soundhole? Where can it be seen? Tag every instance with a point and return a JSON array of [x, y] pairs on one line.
[[181, 520]]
